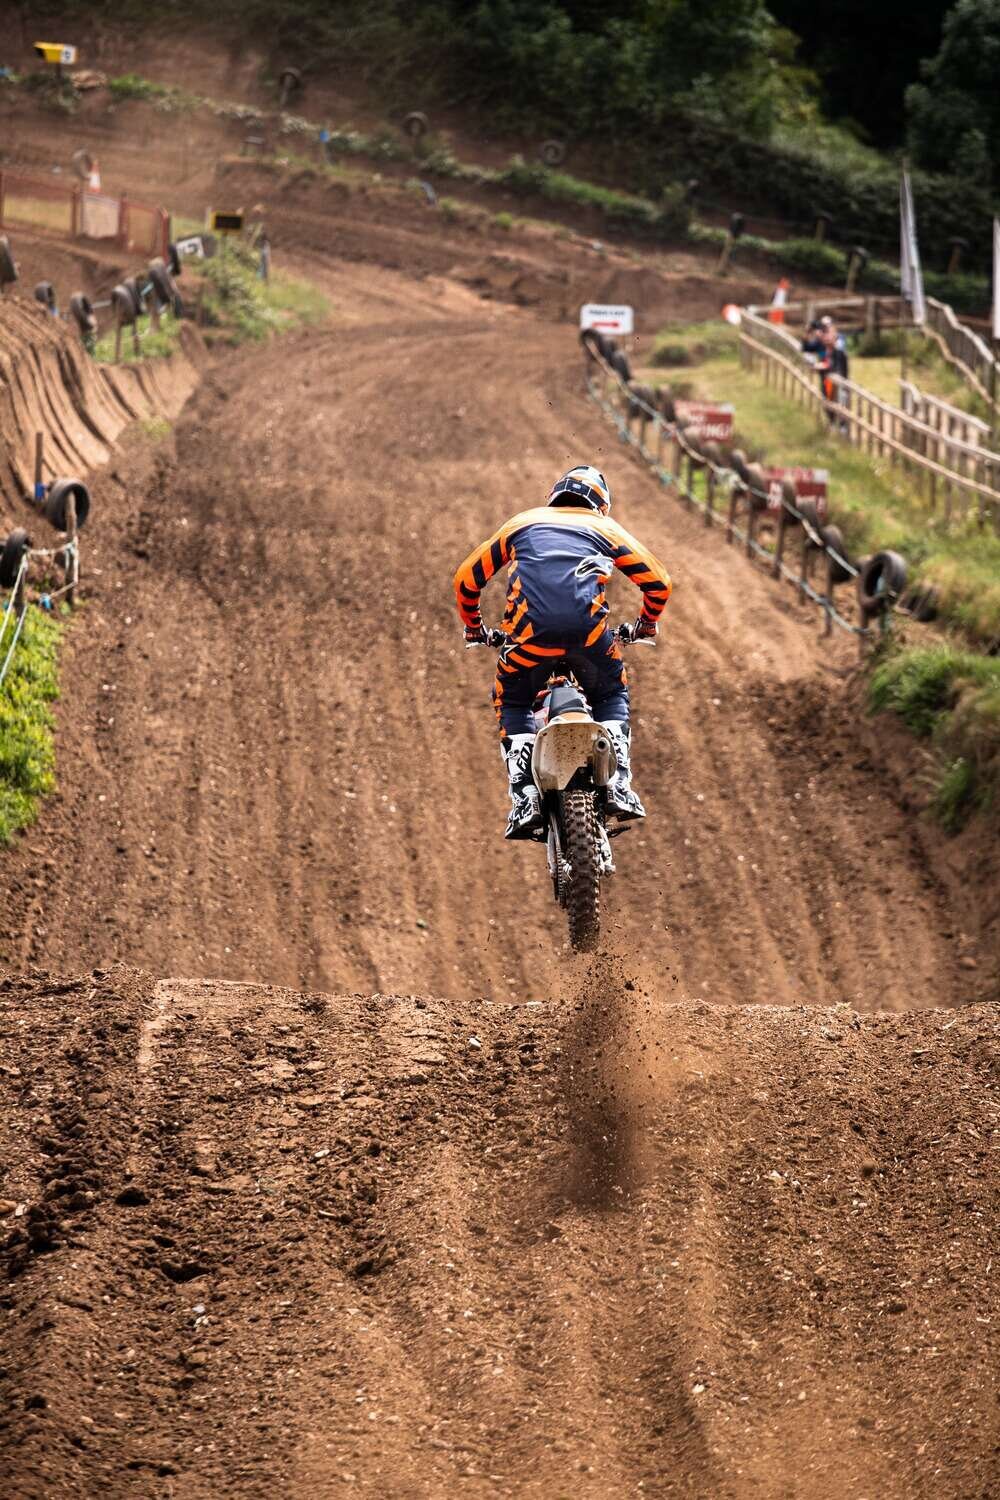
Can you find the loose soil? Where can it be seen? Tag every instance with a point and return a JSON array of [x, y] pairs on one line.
[[405, 1199]]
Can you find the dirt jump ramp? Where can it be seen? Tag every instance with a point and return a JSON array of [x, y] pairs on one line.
[[49, 384], [263, 1242]]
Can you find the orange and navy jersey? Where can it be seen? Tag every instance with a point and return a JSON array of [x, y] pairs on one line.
[[558, 560]]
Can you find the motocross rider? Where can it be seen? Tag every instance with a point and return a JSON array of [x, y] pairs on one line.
[[559, 557]]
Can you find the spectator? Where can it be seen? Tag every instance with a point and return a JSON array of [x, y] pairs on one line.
[[813, 341], [833, 368]]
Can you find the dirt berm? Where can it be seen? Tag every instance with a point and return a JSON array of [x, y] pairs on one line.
[[278, 1243], [48, 384]]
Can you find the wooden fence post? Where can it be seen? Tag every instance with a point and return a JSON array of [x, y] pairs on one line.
[[71, 564]]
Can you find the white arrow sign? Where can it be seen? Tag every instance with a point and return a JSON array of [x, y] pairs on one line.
[[607, 318]]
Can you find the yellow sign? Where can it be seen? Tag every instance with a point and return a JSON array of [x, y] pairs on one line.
[[225, 223], [56, 52]]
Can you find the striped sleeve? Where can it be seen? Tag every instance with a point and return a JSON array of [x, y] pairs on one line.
[[645, 571], [476, 572]]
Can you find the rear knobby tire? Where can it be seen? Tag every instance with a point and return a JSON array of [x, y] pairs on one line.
[[582, 880]]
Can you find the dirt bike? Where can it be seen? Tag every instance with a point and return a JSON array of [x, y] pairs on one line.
[[572, 762]]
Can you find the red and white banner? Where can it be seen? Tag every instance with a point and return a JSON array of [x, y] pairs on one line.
[[709, 420], [810, 484]]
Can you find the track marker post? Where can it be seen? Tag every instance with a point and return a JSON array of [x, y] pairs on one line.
[[71, 553], [779, 543]]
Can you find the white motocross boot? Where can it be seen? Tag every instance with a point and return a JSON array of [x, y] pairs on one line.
[[525, 802], [623, 803]]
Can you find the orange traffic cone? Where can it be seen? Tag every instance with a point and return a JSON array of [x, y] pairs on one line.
[[779, 301]]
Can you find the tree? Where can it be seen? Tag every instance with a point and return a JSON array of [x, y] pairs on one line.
[[866, 55], [954, 113]]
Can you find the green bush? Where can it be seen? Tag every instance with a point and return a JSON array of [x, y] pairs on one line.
[[132, 86], [27, 752], [235, 293], [951, 697], [795, 179], [668, 219]]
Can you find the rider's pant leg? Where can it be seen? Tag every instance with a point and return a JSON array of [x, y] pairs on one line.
[[514, 693], [600, 671]]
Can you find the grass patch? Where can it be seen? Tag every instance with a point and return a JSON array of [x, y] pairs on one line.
[[952, 698], [249, 309], [927, 369], [870, 499], [132, 86], [153, 343], [27, 748]]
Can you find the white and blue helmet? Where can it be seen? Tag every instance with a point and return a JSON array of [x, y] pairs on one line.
[[583, 485]]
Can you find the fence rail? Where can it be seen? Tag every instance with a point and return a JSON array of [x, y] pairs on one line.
[[955, 476], [965, 349], [73, 211]]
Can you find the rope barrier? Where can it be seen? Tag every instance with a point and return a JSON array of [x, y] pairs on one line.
[[16, 593], [725, 476]]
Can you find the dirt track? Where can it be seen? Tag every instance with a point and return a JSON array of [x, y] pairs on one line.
[[279, 764], [605, 1251], [604, 1246]]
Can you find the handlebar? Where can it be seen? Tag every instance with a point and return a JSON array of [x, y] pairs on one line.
[[497, 639]]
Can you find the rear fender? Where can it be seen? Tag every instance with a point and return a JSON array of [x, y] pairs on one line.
[[567, 745]]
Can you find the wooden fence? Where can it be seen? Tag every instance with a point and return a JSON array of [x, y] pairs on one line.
[[964, 348], [957, 477]]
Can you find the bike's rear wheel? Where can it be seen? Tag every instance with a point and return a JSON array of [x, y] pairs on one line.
[[581, 873]]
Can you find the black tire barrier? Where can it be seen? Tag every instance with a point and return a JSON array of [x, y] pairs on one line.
[[45, 293], [595, 343], [921, 603], [83, 165], [810, 514], [552, 153], [833, 539], [131, 283], [174, 264], [81, 310], [163, 283], [54, 504], [881, 581], [123, 305], [619, 363], [790, 497], [415, 124], [756, 487], [738, 461], [641, 397], [8, 265], [13, 550]]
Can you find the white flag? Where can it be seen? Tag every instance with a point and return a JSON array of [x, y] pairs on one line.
[[911, 278], [996, 278]]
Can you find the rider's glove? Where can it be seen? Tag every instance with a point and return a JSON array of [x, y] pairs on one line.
[[642, 630], [480, 635]]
